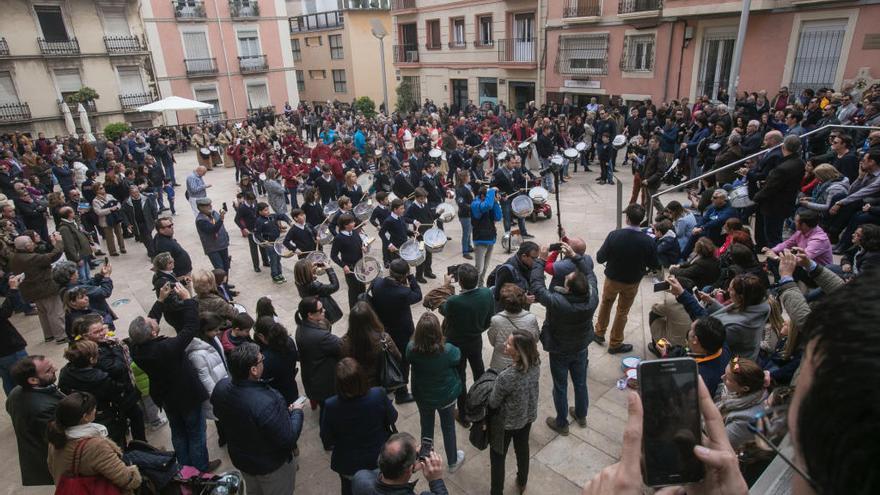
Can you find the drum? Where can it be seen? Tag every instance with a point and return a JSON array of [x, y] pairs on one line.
[[365, 180], [511, 240], [239, 308], [412, 253], [318, 257], [739, 197], [435, 153], [324, 234], [331, 208], [367, 240], [205, 152], [502, 156], [212, 149], [619, 141], [570, 153], [446, 212], [392, 197], [524, 145], [715, 146], [363, 210], [557, 160], [434, 239], [262, 177], [581, 147], [281, 249], [539, 195], [367, 269], [522, 206], [483, 153]]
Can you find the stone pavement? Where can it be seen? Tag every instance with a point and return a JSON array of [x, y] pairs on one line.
[[559, 465]]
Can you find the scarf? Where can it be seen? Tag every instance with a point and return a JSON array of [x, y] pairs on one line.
[[729, 402], [86, 430]]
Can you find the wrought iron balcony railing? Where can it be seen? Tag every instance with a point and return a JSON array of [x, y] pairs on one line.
[[123, 44], [200, 66], [69, 47], [189, 9], [134, 100], [13, 112], [582, 8], [517, 50], [406, 54], [253, 63]]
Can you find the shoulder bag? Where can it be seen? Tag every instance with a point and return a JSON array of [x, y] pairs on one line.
[[390, 372], [72, 483]]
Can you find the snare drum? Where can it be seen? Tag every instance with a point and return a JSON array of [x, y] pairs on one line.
[[539, 195], [522, 206], [502, 156], [363, 210], [739, 197], [619, 141], [205, 152], [570, 153], [365, 239], [318, 257], [331, 208], [392, 197], [412, 253], [365, 180], [367, 269], [581, 147], [324, 234], [446, 212], [557, 160], [524, 145], [435, 240], [435, 153]]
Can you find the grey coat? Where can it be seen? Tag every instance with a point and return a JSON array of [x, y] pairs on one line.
[[744, 329], [503, 324], [515, 396], [276, 196]]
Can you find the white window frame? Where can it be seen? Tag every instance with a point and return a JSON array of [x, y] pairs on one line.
[[482, 33], [344, 82], [207, 86], [297, 54], [631, 43], [563, 64], [459, 36], [300, 75], [249, 29], [11, 75], [55, 79], [102, 11], [257, 82], [188, 30], [340, 48], [119, 78]]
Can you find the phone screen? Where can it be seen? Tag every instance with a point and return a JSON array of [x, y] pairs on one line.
[[671, 421], [426, 448]]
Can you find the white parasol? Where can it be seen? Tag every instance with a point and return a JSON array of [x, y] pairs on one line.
[[84, 123], [68, 119], [174, 103]]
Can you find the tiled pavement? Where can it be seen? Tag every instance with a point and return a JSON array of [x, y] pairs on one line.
[[559, 465]]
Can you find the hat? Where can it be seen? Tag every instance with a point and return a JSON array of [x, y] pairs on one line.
[[203, 201]]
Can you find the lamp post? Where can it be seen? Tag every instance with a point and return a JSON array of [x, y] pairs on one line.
[[379, 32]]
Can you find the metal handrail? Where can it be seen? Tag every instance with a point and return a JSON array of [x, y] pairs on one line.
[[743, 160]]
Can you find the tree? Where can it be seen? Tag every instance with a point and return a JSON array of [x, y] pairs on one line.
[[365, 105], [405, 98], [85, 94], [114, 130]]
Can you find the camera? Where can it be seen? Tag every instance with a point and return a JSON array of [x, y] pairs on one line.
[[556, 246], [452, 271]]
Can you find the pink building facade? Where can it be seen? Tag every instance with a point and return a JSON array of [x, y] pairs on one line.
[[234, 54], [670, 49]]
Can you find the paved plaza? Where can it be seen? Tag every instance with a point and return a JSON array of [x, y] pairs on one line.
[[559, 465]]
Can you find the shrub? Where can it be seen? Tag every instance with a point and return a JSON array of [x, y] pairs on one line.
[[405, 98], [365, 105], [115, 130], [84, 94]]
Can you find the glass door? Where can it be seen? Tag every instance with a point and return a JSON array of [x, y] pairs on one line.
[[716, 60], [524, 38]]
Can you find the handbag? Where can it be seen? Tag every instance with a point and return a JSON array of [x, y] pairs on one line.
[[71, 483], [390, 373], [479, 434]]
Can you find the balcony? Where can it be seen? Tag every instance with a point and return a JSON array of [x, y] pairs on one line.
[[403, 4], [15, 112], [457, 45], [59, 48], [484, 44], [253, 63], [196, 67], [188, 9], [406, 54], [639, 8], [582, 8], [123, 44], [244, 8], [4, 47], [317, 22], [363, 4], [131, 102], [74, 107], [211, 116], [517, 51]]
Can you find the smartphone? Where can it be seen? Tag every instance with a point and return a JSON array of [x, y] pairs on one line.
[[106, 260], [225, 208], [671, 425], [660, 285], [556, 246], [300, 401], [426, 448]]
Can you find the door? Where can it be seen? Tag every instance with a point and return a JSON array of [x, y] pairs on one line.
[[258, 95], [198, 56], [716, 60], [51, 23], [208, 95], [521, 94], [524, 38], [115, 22], [409, 43], [818, 55], [249, 49], [459, 92], [488, 90]]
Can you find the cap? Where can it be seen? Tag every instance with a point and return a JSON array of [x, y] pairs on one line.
[[203, 201]]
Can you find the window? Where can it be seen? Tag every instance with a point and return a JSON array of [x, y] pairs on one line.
[[485, 27], [638, 53], [314, 41], [818, 54], [51, 22], [317, 74], [339, 81], [583, 55], [248, 43], [258, 95], [208, 95], [8, 95], [195, 45], [300, 81], [414, 86], [297, 53], [115, 22], [130, 80], [456, 37], [335, 42], [68, 81], [432, 29]]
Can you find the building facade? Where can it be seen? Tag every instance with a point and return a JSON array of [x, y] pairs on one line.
[[335, 53], [50, 50], [233, 54], [470, 50], [669, 49]]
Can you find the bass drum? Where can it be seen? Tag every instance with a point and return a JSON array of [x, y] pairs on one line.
[[367, 269], [412, 253]]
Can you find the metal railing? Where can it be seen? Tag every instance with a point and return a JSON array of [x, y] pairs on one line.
[[364, 4], [123, 44], [517, 50], [200, 66], [244, 8], [4, 47], [134, 100], [457, 45], [189, 9], [403, 4], [633, 6], [74, 107], [69, 47], [744, 160], [12, 112], [316, 22], [582, 8], [211, 116], [481, 44], [253, 63], [406, 54]]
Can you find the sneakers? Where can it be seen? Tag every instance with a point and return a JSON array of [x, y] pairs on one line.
[[551, 423], [459, 460], [620, 349], [582, 422], [279, 279]]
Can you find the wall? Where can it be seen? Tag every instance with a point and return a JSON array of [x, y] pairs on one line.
[[362, 51]]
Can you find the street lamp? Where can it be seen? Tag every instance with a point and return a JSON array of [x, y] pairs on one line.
[[379, 32]]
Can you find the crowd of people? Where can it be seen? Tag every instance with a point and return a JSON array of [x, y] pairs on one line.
[[779, 329]]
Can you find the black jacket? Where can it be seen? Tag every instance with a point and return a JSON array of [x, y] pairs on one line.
[[246, 216], [301, 238], [568, 327], [432, 186], [777, 197], [182, 261], [319, 350], [464, 196], [172, 309], [394, 231], [392, 300], [367, 482], [357, 428], [324, 292], [30, 410], [107, 392], [347, 249], [279, 369], [627, 253], [262, 431], [174, 383], [403, 186], [10, 340]]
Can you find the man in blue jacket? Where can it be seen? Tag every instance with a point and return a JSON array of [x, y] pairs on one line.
[[710, 224], [264, 428]]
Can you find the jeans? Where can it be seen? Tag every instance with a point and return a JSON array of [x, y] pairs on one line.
[[482, 256], [474, 355], [447, 428], [255, 248], [465, 234], [520, 439], [169, 172], [83, 268], [274, 261], [773, 229], [292, 192], [220, 259], [507, 218], [189, 437], [6, 363], [561, 365]]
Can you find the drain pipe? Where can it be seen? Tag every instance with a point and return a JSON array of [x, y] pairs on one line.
[[680, 61], [668, 57], [226, 59]]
